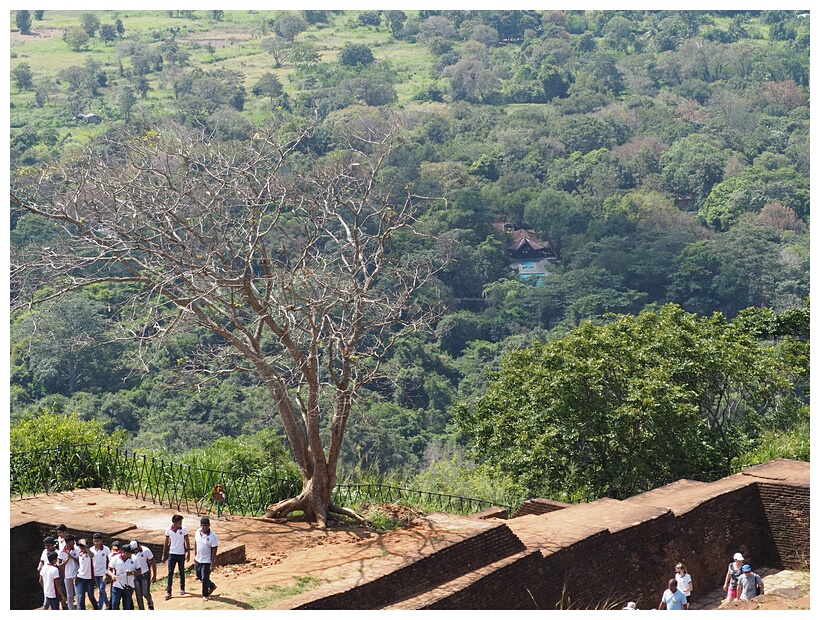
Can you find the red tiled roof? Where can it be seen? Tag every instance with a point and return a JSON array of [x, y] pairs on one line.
[[521, 236]]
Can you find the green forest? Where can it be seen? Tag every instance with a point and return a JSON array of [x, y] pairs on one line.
[[657, 163]]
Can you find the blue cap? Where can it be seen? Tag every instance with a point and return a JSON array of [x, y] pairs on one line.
[[746, 568]]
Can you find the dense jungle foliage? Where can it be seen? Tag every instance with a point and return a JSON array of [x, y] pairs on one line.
[[663, 154]]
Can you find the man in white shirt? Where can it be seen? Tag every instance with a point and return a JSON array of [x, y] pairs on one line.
[[123, 570], [178, 551], [205, 559], [148, 573], [68, 560], [50, 580], [48, 547], [62, 532], [100, 562], [85, 575]]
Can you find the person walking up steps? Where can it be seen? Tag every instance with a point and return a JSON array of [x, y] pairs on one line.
[[748, 583], [730, 584], [672, 598], [205, 559], [178, 551]]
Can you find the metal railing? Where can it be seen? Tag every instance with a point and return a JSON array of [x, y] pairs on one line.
[[181, 486]]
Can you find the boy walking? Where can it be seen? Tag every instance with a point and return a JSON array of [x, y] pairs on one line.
[[100, 562], [123, 572], [48, 547], [205, 559], [50, 580], [178, 550], [148, 573], [68, 561]]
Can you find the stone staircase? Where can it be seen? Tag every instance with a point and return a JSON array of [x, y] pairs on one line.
[[495, 586], [465, 572]]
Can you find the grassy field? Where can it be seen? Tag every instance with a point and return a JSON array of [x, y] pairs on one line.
[[232, 43]]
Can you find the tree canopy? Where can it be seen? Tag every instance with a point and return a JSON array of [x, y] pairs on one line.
[[613, 409], [285, 260], [664, 155]]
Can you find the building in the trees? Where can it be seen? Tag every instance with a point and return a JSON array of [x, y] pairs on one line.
[[526, 246]]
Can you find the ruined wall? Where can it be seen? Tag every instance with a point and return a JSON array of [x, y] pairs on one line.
[[539, 506], [426, 574], [603, 554], [25, 547], [787, 513], [708, 535], [635, 563], [514, 585], [767, 521]]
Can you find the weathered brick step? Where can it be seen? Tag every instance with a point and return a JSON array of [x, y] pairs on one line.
[[510, 583], [493, 542]]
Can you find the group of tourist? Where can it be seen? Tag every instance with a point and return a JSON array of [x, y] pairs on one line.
[[71, 570], [740, 583]]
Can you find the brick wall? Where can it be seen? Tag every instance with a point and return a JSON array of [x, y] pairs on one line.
[[571, 574], [760, 513], [786, 509], [25, 547], [444, 565], [539, 506], [712, 532], [767, 522], [517, 584]]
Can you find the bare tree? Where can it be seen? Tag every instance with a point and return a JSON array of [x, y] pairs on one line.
[[286, 259]]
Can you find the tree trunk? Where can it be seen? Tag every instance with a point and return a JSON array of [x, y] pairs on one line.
[[318, 473], [314, 500]]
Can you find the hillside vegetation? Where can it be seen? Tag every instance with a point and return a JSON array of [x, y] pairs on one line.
[[663, 155]]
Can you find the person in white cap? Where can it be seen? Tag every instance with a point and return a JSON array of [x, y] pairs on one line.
[[123, 571], [631, 605], [148, 574], [730, 584]]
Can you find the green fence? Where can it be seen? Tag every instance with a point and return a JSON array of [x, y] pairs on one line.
[[189, 488]]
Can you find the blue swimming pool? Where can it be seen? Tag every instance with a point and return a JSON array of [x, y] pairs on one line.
[[530, 269]]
